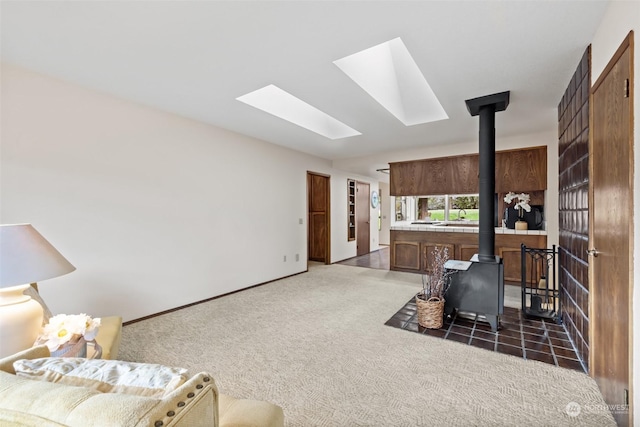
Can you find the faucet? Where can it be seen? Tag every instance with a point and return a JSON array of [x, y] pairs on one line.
[[460, 214]]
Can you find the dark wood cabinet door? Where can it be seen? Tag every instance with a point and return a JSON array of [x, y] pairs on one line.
[[512, 264], [466, 252], [406, 255], [521, 170]]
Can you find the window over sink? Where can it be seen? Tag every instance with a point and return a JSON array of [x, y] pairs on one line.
[[450, 207]]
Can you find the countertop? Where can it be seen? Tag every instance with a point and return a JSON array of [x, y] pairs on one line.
[[458, 227]]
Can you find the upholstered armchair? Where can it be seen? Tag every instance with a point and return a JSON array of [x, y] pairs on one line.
[[38, 390]]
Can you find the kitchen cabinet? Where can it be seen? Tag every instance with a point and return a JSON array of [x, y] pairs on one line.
[[411, 251], [406, 255], [445, 175], [522, 170]]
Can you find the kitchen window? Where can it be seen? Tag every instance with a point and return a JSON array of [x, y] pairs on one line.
[[450, 207]]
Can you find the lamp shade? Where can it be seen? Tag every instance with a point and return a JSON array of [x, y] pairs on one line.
[[27, 257]]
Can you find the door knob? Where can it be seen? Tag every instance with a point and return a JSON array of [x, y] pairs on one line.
[[593, 252]]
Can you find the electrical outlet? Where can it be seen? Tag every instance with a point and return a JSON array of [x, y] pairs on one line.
[[285, 258], [299, 220], [297, 257]]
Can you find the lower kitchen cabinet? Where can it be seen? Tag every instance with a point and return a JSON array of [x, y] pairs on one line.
[[406, 256], [412, 251]]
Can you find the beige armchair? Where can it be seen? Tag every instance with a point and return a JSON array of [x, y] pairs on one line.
[[31, 402]]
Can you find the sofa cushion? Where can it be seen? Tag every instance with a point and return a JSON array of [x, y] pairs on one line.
[[106, 376]]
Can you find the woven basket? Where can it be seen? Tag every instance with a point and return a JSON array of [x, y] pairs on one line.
[[430, 312]]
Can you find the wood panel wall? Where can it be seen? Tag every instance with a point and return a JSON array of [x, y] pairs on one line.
[[573, 204]]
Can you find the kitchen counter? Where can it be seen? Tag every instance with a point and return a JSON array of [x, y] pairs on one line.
[[459, 227]]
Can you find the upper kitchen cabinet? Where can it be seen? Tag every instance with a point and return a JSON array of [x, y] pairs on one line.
[[516, 170], [521, 170], [444, 175]]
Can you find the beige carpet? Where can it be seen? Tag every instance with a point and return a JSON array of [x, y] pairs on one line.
[[316, 344]]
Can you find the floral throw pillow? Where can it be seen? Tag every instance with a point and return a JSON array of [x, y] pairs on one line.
[[106, 376]]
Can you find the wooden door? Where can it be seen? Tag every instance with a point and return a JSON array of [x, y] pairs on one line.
[[363, 218], [318, 217], [610, 207]]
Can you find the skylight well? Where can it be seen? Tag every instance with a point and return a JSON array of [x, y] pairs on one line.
[[279, 103], [389, 74]]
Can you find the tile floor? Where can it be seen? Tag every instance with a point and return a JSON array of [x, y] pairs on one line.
[[377, 259], [531, 339]]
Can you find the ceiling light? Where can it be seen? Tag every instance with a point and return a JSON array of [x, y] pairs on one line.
[[389, 74], [279, 103]]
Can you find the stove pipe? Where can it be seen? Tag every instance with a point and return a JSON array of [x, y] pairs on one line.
[[486, 107]]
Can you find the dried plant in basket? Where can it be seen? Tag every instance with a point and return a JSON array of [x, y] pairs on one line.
[[436, 284]]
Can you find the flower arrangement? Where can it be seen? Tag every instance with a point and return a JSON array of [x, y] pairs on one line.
[[437, 283], [68, 328], [522, 204]]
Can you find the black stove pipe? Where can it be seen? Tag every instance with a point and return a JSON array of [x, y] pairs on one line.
[[487, 166], [486, 107]]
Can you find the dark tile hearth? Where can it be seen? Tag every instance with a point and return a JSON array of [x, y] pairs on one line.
[[517, 336]]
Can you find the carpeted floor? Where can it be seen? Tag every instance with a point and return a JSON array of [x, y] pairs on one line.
[[316, 344]]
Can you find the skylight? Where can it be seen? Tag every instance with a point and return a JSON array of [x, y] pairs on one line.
[[389, 74], [279, 103]]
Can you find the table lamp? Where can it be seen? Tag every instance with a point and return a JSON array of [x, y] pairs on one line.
[[25, 258]]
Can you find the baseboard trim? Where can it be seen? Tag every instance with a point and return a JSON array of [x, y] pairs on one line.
[[171, 310]]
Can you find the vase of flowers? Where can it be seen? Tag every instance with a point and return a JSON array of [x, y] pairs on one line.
[[67, 335], [521, 205], [430, 301]]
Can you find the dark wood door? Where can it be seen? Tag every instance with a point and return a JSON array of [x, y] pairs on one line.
[[318, 221], [363, 218], [611, 267]]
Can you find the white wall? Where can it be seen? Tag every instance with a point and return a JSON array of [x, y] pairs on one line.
[[386, 209], [620, 18], [155, 211]]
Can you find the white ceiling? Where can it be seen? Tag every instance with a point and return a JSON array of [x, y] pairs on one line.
[[194, 58]]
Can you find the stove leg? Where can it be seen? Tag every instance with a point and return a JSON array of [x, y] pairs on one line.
[[493, 321]]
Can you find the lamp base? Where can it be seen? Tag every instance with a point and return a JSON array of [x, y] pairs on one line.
[[20, 320]]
